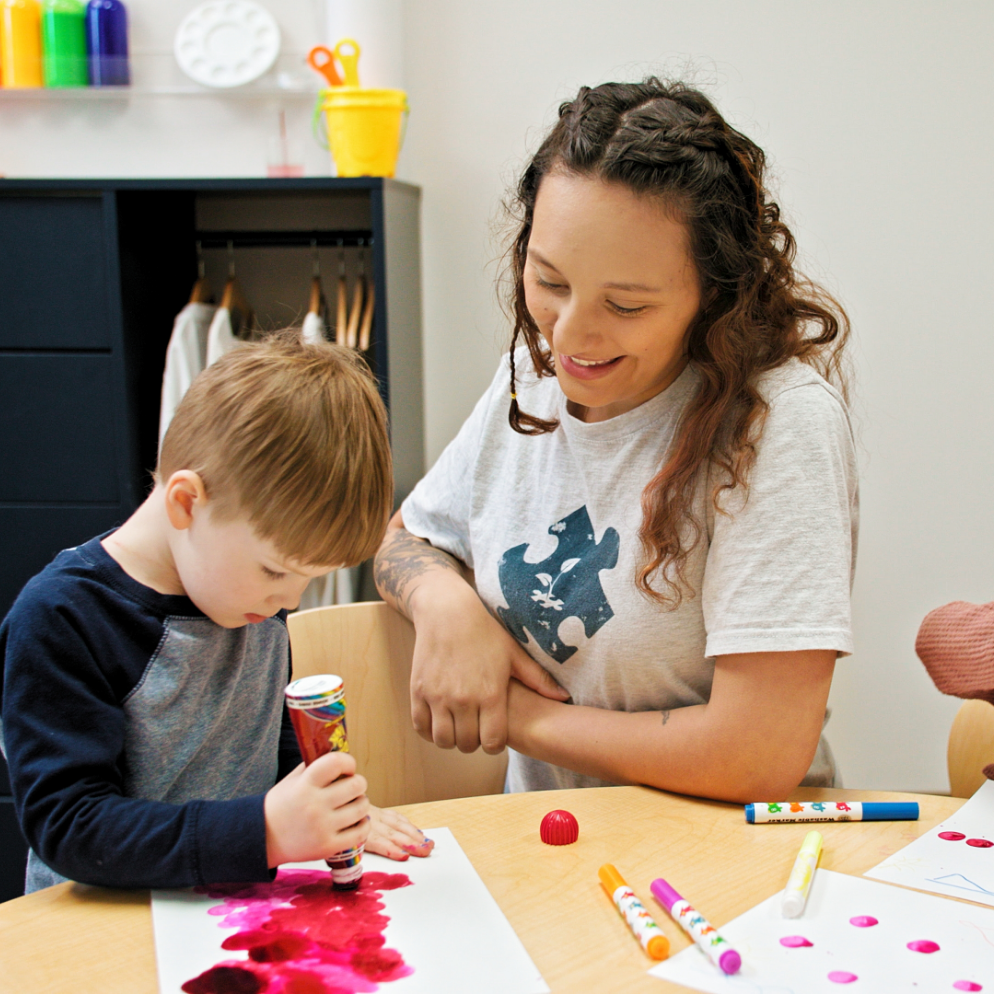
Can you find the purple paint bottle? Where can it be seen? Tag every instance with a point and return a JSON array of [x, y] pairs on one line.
[[107, 43]]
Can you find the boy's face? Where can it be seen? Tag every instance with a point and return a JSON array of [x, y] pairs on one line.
[[234, 576]]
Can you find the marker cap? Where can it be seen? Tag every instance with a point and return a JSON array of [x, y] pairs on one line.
[[664, 893], [890, 811], [751, 814], [793, 905], [611, 879]]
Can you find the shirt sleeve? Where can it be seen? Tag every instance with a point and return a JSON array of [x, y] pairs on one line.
[[781, 558], [438, 508], [64, 734]]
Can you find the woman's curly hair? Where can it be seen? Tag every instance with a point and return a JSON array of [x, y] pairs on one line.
[[668, 142]]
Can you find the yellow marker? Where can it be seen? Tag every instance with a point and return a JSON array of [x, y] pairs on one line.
[[795, 894], [643, 927]]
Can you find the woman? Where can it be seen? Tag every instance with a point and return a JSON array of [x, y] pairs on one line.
[[652, 511]]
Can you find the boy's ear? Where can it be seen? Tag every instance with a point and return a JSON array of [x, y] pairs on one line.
[[184, 491]]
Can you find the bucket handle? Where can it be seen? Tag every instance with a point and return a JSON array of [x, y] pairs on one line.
[[320, 136]]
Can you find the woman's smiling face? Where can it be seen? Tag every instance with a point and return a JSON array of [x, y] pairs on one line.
[[611, 284]]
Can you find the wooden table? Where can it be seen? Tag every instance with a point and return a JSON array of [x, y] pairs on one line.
[[80, 939]]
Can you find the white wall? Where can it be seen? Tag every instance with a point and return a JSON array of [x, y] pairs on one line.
[[877, 118]]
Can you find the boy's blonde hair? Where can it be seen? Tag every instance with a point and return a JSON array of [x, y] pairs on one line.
[[294, 436]]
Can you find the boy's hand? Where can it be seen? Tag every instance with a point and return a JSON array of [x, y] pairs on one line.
[[391, 834], [316, 811]]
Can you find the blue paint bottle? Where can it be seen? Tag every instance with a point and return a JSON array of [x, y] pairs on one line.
[[107, 43]]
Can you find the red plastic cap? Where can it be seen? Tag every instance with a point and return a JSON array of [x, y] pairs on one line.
[[559, 828]]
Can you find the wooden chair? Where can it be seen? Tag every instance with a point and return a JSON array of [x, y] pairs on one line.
[[971, 747], [370, 646]]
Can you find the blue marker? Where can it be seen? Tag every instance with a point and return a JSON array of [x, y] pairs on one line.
[[792, 811]]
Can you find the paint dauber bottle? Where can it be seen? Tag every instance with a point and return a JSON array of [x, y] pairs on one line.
[[63, 32], [317, 710], [107, 43]]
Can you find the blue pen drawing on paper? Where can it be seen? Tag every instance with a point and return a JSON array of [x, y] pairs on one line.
[[962, 883], [540, 596]]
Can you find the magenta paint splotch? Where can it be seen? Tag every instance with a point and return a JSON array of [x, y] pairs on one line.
[[864, 921], [842, 977], [795, 942], [967, 985], [303, 935], [980, 843], [923, 946], [952, 836]]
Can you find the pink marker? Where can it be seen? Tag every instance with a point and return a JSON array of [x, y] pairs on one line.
[[696, 926]]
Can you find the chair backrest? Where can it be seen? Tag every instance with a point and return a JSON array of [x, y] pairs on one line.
[[971, 747], [370, 646]]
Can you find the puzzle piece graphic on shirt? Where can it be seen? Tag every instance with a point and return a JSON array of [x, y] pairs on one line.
[[567, 584]]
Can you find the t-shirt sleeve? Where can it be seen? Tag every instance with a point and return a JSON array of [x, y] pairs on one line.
[[64, 734], [438, 508], [781, 559]]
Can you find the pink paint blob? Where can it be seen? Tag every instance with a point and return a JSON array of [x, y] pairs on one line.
[[966, 985], [304, 936], [842, 977], [795, 941], [952, 836], [923, 946], [864, 921], [980, 843]]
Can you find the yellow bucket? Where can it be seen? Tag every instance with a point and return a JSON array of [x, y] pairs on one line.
[[364, 129]]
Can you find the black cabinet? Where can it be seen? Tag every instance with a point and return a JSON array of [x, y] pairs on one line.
[[92, 274]]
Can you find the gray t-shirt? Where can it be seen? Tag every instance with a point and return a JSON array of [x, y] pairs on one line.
[[550, 524]]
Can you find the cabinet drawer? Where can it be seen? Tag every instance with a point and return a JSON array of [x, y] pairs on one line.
[[53, 273], [57, 434]]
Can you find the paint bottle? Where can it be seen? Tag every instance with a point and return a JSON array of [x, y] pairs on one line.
[[63, 35], [20, 43], [107, 43], [317, 710]]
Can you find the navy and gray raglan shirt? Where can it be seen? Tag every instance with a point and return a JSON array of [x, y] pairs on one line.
[[141, 736]]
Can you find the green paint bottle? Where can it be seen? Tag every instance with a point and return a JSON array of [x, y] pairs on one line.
[[63, 34]]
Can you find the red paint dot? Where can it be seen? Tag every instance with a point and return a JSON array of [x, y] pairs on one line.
[[842, 977], [980, 843], [864, 921], [795, 942], [923, 946], [966, 985], [952, 836]]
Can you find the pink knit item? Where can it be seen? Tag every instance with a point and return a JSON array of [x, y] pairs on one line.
[[956, 644]]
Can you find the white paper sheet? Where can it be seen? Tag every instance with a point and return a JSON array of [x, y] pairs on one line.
[[950, 866], [878, 955], [446, 926]]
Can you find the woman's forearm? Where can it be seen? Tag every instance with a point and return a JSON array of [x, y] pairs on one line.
[[753, 741], [402, 563]]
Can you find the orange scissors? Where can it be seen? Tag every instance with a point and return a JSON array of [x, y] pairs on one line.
[[346, 52]]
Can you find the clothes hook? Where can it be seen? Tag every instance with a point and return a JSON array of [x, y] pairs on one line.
[[201, 268], [316, 266], [341, 257], [231, 259]]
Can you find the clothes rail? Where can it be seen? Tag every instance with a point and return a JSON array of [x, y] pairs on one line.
[[351, 238]]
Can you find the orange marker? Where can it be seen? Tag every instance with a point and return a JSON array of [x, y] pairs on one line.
[[631, 909]]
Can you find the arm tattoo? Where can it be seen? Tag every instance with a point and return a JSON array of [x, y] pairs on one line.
[[402, 558], [666, 717]]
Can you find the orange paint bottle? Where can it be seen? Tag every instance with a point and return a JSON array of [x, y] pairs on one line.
[[20, 43]]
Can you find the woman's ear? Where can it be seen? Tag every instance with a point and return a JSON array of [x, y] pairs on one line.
[[184, 491]]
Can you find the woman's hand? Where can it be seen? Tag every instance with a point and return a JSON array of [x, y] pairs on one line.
[[316, 811], [463, 657], [392, 835]]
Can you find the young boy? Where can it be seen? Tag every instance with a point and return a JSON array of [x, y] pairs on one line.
[[143, 672]]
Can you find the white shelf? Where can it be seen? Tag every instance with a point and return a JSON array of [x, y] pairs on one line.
[[156, 74]]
